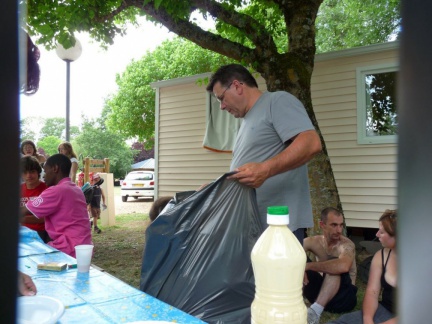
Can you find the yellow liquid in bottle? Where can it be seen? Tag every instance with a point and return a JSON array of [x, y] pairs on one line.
[[278, 261]]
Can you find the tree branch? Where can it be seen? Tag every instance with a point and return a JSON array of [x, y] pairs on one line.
[[300, 16], [255, 31], [199, 36]]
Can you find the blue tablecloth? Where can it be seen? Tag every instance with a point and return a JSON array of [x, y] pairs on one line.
[[93, 297]]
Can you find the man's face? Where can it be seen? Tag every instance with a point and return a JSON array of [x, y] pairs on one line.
[[50, 175], [333, 227], [31, 178], [229, 99]]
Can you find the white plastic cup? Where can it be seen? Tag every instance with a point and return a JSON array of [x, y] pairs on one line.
[[83, 256]]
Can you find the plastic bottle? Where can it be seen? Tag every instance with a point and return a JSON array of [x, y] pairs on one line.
[[278, 262]]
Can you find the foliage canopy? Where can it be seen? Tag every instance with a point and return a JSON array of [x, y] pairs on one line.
[[97, 142], [345, 24], [49, 144]]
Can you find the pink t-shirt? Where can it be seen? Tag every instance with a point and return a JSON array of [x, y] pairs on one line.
[[66, 219]]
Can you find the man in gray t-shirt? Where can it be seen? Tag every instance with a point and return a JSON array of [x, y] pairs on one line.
[[274, 143]]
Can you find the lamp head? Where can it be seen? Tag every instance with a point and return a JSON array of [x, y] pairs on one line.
[[71, 54]]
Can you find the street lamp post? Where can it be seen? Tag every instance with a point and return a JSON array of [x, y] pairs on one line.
[[68, 55]]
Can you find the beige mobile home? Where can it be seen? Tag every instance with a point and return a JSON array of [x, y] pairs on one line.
[[364, 161]]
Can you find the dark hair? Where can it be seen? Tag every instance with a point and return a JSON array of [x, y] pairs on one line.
[[328, 210], [389, 221], [63, 162], [30, 163], [158, 206], [31, 85], [228, 73], [28, 142]]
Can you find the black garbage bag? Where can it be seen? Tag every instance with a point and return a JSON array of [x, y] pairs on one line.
[[197, 254], [363, 269]]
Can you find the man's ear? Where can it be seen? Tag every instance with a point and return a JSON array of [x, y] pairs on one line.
[[321, 223], [55, 168]]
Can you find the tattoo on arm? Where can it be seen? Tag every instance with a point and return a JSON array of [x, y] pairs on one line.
[[348, 250]]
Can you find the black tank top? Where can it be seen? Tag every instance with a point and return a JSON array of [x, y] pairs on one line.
[[388, 293]]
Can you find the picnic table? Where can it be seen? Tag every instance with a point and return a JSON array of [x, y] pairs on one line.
[[93, 297]]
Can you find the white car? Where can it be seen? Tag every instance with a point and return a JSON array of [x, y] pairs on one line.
[[138, 184]]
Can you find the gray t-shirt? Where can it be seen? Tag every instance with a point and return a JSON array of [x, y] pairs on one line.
[[276, 118]]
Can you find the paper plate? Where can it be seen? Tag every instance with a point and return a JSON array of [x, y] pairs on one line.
[[39, 310]]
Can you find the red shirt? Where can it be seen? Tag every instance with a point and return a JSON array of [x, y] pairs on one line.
[[28, 195]]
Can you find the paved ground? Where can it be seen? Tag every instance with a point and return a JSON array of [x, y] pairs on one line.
[[141, 205]]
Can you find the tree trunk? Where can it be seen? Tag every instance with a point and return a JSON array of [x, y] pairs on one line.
[[292, 72]]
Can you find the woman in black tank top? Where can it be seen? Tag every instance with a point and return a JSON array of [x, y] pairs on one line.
[[382, 279], [388, 298]]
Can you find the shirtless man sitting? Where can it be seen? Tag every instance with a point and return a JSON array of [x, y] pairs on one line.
[[330, 281]]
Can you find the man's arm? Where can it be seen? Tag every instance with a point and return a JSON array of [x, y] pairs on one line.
[[304, 146], [335, 266], [103, 196], [31, 219], [23, 211], [309, 244], [28, 217]]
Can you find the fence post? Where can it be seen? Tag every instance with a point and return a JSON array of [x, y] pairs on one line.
[[86, 169], [106, 165]]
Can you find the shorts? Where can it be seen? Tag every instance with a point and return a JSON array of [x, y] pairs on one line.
[[344, 300], [95, 212]]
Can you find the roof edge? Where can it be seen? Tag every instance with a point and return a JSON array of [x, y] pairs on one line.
[[375, 48], [181, 80]]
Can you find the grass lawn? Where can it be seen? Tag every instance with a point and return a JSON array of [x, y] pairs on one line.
[[119, 250]]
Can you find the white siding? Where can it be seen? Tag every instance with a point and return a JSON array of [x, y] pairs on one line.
[[182, 163], [365, 174]]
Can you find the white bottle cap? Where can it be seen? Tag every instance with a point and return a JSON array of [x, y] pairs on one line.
[[278, 215]]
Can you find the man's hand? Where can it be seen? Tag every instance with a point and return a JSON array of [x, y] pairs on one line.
[[26, 286], [251, 174], [305, 279]]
